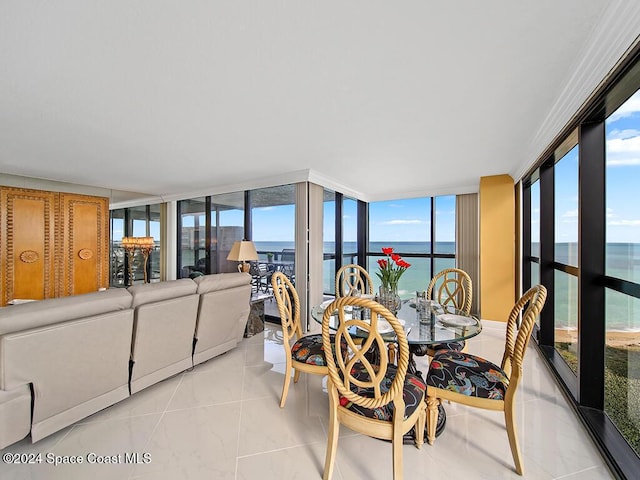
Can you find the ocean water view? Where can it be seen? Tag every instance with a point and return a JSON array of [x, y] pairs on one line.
[[622, 261]]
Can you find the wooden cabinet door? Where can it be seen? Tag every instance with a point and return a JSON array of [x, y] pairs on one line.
[[83, 234], [27, 234]]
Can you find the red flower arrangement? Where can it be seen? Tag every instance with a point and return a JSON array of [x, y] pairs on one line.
[[391, 269]]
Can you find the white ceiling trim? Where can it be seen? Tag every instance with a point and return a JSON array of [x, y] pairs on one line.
[[335, 185], [433, 192], [615, 35], [264, 182]]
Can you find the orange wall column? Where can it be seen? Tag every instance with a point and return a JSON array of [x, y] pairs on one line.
[[497, 247]]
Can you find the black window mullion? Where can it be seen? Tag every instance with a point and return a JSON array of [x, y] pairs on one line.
[[526, 237], [338, 230], [215, 261], [547, 244], [128, 232], [248, 233], [623, 286], [207, 234], [433, 235], [363, 222], [591, 241]]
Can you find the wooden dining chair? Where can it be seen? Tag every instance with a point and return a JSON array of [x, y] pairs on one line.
[[352, 277], [302, 353], [381, 400], [471, 380], [451, 287]]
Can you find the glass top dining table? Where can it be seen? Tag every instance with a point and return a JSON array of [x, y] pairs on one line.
[[439, 325]]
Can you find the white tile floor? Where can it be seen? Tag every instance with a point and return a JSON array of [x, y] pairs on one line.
[[222, 421]]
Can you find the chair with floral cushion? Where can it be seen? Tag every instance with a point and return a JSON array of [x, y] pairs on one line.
[[381, 400], [352, 278], [303, 353], [471, 380]]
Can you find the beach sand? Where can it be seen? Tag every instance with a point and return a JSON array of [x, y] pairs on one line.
[[615, 338]]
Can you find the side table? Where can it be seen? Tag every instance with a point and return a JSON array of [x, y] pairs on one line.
[[255, 323]]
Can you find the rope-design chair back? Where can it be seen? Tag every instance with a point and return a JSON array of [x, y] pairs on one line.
[[452, 288], [288, 307], [518, 339], [343, 360], [352, 277]]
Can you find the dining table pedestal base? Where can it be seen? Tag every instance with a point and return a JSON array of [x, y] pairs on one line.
[[409, 437]]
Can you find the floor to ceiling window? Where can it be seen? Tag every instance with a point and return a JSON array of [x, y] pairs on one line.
[[329, 242], [141, 221], [408, 226], [533, 258], [349, 231], [227, 226], [207, 228], [444, 246], [117, 265], [273, 226], [581, 239], [622, 267], [566, 256], [192, 252]]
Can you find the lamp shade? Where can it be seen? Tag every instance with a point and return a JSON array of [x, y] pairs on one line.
[[243, 251]]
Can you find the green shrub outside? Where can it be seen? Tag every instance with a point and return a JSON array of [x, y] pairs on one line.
[[622, 387]]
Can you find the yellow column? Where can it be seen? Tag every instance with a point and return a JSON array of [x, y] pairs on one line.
[[497, 247]]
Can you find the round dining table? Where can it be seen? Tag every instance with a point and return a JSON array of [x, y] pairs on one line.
[[436, 325]]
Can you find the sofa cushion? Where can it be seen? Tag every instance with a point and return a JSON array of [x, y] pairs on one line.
[[15, 415], [221, 281], [16, 318], [156, 292]]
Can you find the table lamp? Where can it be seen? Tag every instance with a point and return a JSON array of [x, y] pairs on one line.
[[243, 251]]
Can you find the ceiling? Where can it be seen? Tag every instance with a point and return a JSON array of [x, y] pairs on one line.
[[378, 99]]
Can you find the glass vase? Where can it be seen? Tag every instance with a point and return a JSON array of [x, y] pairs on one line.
[[389, 298]]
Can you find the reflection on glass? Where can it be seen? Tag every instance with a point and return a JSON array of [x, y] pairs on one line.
[[566, 318], [622, 365], [227, 226], [192, 236], [566, 208]]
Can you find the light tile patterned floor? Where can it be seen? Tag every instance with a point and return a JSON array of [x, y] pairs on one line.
[[222, 421]]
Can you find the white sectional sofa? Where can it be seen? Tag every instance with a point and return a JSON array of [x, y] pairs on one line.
[[66, 358], [164, 327], [221, 322]]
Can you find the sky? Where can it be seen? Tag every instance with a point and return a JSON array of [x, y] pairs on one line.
[[396, 220], [623, 172], [622, 182]]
